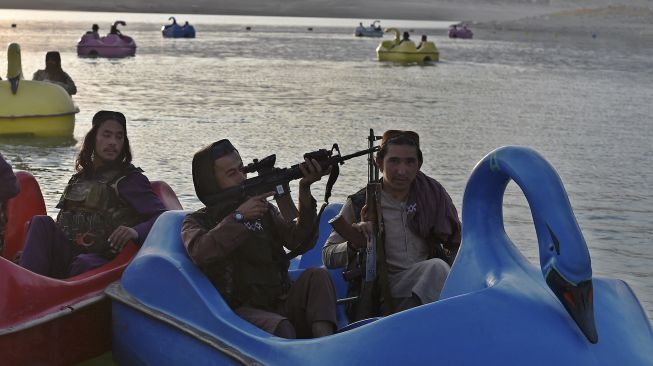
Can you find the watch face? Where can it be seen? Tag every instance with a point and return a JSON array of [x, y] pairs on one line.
[[238, 216]]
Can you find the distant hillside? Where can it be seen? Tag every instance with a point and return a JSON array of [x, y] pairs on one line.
[[470, 10]]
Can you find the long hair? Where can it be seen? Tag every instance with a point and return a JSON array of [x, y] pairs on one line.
[[84, 161], [55, 72]]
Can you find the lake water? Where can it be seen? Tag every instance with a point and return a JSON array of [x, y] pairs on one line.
[[583, 103]]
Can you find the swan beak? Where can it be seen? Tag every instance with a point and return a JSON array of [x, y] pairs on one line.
[[578, 300], [14, 84]]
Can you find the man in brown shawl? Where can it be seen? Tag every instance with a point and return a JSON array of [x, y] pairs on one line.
[[422, 231]]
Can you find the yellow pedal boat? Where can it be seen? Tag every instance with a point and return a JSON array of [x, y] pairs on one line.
[[406, 51], [33, 108]]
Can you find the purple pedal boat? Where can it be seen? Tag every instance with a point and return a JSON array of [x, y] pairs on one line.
[[113, 45]]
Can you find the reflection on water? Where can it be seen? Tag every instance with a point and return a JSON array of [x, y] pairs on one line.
[[41, 143], [584, 105]]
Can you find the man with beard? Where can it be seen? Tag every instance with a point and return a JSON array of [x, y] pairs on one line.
[[421, 235], [107, 203]]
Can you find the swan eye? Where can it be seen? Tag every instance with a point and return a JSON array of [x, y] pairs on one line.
[[554, 238]]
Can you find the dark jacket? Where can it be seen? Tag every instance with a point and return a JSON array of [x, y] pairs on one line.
[[246, 261], [92, 207]]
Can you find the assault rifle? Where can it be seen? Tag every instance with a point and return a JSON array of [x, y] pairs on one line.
[[271, 178]]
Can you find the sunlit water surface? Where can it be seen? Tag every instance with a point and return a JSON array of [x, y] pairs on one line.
[[583, 103]]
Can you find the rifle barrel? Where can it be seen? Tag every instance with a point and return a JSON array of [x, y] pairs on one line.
[[359, 153]]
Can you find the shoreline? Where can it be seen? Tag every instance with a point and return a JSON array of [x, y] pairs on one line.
[[615, 22], [630, 21], [443, 10]]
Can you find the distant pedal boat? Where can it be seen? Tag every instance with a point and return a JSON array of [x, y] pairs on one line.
[[374, 30], [110, 46], [175, 30], [33, 108], [406, 51]]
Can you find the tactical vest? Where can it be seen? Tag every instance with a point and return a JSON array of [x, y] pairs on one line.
[[261, 267], [256, 273], [91, 209]]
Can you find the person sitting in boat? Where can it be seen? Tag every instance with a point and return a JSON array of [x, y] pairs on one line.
[[94, 31], [453, 32], [405, 38], [422, 42], [106, 204], [9, 188], [53, 73], [419, 218], [240, 247]]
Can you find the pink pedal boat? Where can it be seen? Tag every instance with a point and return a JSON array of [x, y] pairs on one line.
[[113, 45]]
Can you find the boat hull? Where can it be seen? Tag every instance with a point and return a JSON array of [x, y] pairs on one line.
[[37, 109], [167, 312], [47, 321], [407, 52], [111, 46], [406, 57], [38, 126], [368, 32], [83, 330]]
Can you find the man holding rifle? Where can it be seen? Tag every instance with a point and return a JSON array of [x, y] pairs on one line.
[[416, 232], [239, 244]]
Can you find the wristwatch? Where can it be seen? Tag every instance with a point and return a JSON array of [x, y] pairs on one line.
[[238, 216]]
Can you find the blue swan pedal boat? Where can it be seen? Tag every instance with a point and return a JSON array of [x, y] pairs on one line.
[[175, 30], [496, 308]]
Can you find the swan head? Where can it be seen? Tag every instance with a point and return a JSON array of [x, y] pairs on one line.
[[564, 258], [567, 270], [577, 298], [14, 67]]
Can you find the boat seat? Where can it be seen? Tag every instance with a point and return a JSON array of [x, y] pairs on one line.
[[166, 195], [313, 258], [189, 295], [20, 210]]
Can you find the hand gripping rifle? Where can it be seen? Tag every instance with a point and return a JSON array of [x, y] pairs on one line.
[[373, 261]]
